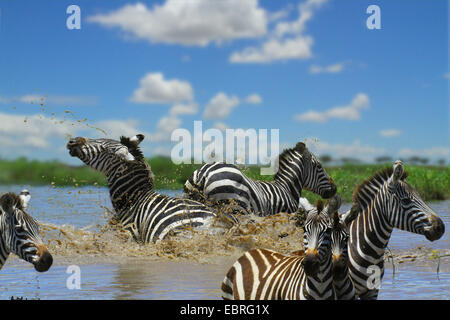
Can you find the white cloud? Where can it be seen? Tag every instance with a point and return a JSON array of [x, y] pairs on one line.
[[447, 75], [349, 112], [275, 49], [286, 41], [116, 128], [59, 100], [221, 126], [253, 98], [333, 68], [388, 133], [220, 106], [432, 152], [155, 89], [166, 125], [190, 23], [341, 150], [183, 109]]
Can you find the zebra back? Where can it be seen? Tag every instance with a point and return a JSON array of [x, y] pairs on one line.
[[148, 215], [297, 169], [266, 274]]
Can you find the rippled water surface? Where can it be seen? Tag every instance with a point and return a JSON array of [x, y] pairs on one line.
[[138, 278]]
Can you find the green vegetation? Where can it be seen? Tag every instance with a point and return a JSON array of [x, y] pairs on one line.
[[432, 182]]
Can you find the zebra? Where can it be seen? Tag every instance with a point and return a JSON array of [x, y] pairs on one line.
[[298, 169], [262, 274], [19, 234], [387, 201], [343, 285], [149, 216]]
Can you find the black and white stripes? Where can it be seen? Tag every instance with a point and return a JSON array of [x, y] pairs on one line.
[[19, 234], [298, 169], [387, 201], [148, 215], [266, 274]]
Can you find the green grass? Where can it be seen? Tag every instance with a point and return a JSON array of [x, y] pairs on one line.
[[432, 182]]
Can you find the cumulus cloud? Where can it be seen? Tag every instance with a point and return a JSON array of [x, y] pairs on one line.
[[388, 133], [220, 106], [189, 23], [183, 109], [351, 111], [253, 99], [166, 125], [275, 49], [333, 68], [154, 88], [340, 150], [286, 41]]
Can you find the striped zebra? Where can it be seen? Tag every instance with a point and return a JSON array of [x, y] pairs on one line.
[[149, 216], [297, 169], [19, 234], [343, 286], [262, 274], [387, 201]]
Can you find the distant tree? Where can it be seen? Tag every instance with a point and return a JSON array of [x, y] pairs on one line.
[[326, 158], [348, 160], [414, 160], [383, 159], [424, 161], [441, 162]]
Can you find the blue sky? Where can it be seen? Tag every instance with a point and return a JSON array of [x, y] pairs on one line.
[[310, 68]]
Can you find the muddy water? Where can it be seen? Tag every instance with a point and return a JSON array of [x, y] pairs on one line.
[[112, 266]]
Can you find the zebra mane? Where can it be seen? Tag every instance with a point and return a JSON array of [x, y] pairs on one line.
[[300, 147], [368, 189], [133, 148], [9, 200]]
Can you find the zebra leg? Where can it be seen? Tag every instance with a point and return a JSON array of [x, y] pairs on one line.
[[227, 284]]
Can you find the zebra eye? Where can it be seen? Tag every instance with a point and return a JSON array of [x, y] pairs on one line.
[[406, 201]]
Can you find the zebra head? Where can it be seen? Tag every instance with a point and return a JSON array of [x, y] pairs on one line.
[[316, 239], [19, 233], [104, 154], [302, 168], [407, 209], [340, 235]]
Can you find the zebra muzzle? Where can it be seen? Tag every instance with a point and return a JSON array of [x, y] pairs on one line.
[[436, 230], [311, 264], [45, 259]]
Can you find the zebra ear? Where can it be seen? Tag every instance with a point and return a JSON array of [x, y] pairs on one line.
[[137, 139], [300, 147], [351, 215], [333, 205], [398, 171]]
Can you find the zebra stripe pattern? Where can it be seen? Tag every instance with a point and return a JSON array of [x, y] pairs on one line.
[[149, 216], [343, 286], [269, 275], [297, 169], [387, 201], [19, 234]]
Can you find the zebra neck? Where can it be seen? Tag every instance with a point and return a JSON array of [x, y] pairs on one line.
[[343, 287], [320, 286], [377, 229], [4, 252], [291, 184], [126, 187]]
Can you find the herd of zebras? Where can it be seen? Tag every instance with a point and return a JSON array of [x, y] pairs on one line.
[[341, 250]]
